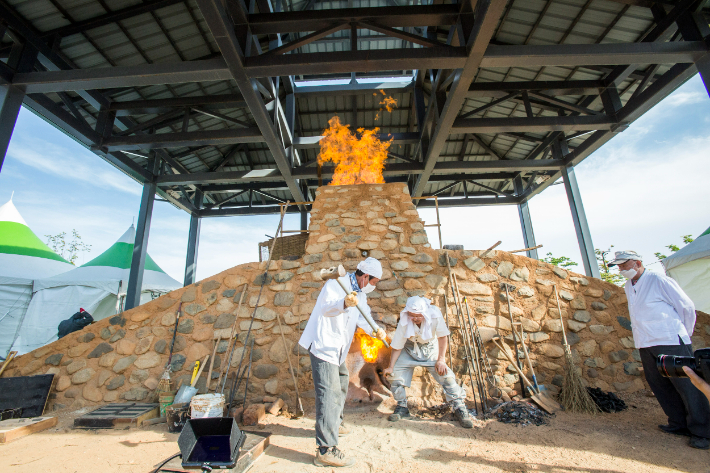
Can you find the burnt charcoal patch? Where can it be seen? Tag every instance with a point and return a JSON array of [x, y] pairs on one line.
[[607, 402]]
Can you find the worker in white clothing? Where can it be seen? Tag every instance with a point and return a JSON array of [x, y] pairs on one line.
[[327, 337], [421, 339], [662, 321]]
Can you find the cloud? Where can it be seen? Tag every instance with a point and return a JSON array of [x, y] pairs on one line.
[[52, 159]]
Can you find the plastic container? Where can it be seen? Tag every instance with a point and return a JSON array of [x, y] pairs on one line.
[[207, 405], [165, 399], [176, 416]]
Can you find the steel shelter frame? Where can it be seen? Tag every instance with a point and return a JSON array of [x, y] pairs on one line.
[[218, 107]]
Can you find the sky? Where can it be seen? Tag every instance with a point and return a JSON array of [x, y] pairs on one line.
[[641, 191]]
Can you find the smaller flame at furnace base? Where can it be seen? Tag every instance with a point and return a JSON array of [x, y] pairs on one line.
[[370, 347]]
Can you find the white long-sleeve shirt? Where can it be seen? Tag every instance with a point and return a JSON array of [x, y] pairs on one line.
[[660, 311], [331, 327]]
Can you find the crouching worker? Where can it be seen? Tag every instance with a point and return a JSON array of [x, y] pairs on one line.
[[327, 337], [421, 340]]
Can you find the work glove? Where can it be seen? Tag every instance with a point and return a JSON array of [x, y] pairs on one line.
[[351, 299], [381, 334]]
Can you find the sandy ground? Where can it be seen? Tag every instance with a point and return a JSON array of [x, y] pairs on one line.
[[622, 442]]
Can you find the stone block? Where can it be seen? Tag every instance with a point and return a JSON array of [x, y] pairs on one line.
[[148, 360], [272, 386], [254, 414], [551, 351], [596, 305], [494, 321], [627, 342], [505, 268], [418, 239], [526, 291], [54, 359], [553, 325], [538, 337], [399, 265], [475, 289], [601, 329], [617, 356], [587, 347], [559, 272], [474, 263], [624, 322], [122, 364], [135, 394], [284, 299], [422, 258], [75, 366], [606, 346], [520, 274], [265, 371], [582, 316], [82, 376], [575, 326], [632, 368]]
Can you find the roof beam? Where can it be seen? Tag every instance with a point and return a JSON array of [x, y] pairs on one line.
[[160, 106], [223, 31], [359, 61], [181, 140], [314, 20], [303, 142], [550, 87], [534, 125], [486, 17]]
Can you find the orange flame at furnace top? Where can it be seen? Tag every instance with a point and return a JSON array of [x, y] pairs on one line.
[[358, 160], [370, 347]]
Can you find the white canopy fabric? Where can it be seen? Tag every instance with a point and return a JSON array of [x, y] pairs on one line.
[[96, 287], [23, 259], [690, 267]]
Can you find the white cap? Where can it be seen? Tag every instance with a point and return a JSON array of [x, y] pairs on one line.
[[417, 305], [621, 257], [371, 266]]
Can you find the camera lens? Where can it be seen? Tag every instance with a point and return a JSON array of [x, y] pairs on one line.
[[672, 366]]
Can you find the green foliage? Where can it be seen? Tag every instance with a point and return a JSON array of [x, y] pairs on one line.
[[686, 239], [69, 250], [604, 272], [562, 261]]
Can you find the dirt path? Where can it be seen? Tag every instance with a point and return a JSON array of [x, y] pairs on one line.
[[624, 442]]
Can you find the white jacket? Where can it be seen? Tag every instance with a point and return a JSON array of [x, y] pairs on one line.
[[331, 327], [660, 311]]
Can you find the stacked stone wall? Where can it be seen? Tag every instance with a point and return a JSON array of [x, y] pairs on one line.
[[122, 358]]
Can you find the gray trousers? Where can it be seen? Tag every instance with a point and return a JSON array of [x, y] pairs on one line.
[[426, 357], [331, 386], [683, 403]]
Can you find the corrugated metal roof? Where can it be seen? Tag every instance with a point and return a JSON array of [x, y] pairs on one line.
[[178, 32]]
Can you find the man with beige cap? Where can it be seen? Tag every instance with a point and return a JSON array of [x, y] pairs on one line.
[[662, 321]]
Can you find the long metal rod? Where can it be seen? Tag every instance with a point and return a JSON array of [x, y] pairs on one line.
[[477, 353], [515, 337], [462, 331]]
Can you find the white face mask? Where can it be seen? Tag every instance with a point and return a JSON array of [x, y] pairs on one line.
[[628, 273], [368, 289]]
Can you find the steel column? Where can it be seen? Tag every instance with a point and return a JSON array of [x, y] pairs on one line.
[[584, 236], [525, 219], [22, 58], [304, 220], [140, 247], [193, 241]]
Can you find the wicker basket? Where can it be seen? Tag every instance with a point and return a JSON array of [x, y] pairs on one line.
[[288, 247]]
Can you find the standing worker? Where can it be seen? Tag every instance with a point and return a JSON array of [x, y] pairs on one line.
[[421, 340], [327, 337], [662, 321]]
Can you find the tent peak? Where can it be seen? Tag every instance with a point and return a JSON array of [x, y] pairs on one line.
[[9, 213]]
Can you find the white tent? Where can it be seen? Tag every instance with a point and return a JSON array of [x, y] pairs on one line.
[[690, 267], [23, 258], [97, 286]]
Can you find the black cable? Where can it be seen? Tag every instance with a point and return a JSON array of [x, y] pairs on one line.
[[178, 454]]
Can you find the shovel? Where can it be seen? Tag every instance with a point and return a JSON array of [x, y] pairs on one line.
[[541, 399], [186, 393]]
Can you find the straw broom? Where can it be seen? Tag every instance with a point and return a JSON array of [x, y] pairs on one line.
[[574, 396]]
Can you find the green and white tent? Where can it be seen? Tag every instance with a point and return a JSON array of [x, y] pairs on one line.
[[690, 267], [98, 287], [23, 259]]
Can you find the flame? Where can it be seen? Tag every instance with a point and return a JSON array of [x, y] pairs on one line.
[[389, 103], [359, 161], [369, 347]]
